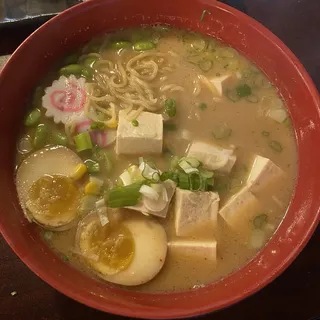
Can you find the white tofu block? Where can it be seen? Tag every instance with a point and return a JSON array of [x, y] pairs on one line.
[[213, 157], [240, 208], [146, 138], [220, 82], [263, 173], [200, 249], [160, 207], [195, 211]]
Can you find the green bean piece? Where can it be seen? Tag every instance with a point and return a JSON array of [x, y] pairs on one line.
[[170, 107], [243, 90], [32, 118], [275, 146], [71, 69], [40, 136], [121, 45], [89, 61], [143, 46], [60, 138], [87, 73]]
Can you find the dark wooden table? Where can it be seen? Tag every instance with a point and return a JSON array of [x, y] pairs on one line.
[[294, 295]]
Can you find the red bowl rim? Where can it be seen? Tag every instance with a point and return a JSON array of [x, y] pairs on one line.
[[207, 308]]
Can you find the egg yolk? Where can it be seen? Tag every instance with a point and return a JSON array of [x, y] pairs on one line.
[[54, 196], [113, 246]]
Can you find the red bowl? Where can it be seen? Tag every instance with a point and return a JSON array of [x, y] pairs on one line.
[[78, 25]]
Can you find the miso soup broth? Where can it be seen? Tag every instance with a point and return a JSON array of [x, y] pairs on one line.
[[156, 159]]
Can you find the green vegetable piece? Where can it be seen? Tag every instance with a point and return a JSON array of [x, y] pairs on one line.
[[203, 106], [196, 182], [86, 73], [170, 107], [135, 123], [204, 12], [123, 196], [205, 65], [60, 138], [260, 221], [121, 45], [143, 46], [184, 182], [221, 131], [243, 90], [65, 258], [83, 141], [89, 61], [32, 118], [265, 133], [206, 173], [174, 163], [71, 69], [275, 145], [169, 126], [92, 166], [40, 136], [166, 175], [97, 126]]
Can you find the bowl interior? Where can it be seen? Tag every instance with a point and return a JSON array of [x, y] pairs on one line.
[[78, 25]]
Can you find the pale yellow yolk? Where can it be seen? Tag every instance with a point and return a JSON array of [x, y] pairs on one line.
[[53, 198], [113, 247]]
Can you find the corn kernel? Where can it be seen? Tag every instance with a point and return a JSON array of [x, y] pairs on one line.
[[112, 124], [92, 188], [80, 170]]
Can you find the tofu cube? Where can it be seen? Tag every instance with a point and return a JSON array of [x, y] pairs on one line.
[[264, 173], [213, 157], [240, 209], [221, 82], [160, 207], [200, 249], [146, 138], [195, 211]]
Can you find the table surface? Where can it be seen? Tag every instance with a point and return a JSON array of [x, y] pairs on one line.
[[294, 295]]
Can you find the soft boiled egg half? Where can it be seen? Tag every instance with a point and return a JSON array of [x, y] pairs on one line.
[[47, 188], [130, 252]]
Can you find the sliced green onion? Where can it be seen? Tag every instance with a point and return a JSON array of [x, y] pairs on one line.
[[92, 166], [121, 45], [184, 182], [206, 174], [170, 107], [210, 183], [203, 106], [193, 162], [149, 171], [143, 46], [204, 12], [265, 133], [196, 181], [169, 126], [221, 131], [135, 123], [65, 258], [275, 145], [205, 65], [32, 118], [149, 192], [97, 126], [260, 221], [123, 196], [174, 163], [243, 90], [232, 95], [60, 138], [83, 141]]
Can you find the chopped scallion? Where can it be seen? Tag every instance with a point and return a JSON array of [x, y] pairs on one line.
[[243, 90], [135, 123], [83, 141], [184, 182], [92, 166], [275, 145], [260, 221], [203, 106], [170, 107], [97, 126]]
